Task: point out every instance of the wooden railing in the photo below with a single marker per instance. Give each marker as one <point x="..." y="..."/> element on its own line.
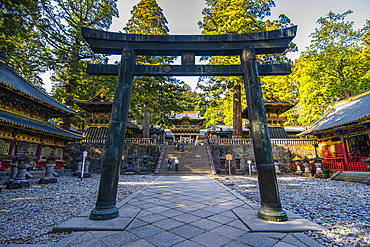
<point x="346" y="166"/>
<point x="282" y="142"/>
<point x="211" y="160"/>
<point x="139" y="141"/>
<point x="160" y="159"/>
<point x="127" y="141"/>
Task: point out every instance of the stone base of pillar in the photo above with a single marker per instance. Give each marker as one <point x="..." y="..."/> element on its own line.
<point x="48" y="180"/>
<point x="307" y="174"/>
<point x="144" y="171"/>
<point x="239" y="172"/>
<point x="223" y="171"/>
<point x="320" y="175"/>
<point x="272" y="215"/>
<point x="129" y="172"/>
<point x="17" y="184"/>
<point x="78" y="174"/>
<point x="104" y="214"/>
<point x="299" y="173"/>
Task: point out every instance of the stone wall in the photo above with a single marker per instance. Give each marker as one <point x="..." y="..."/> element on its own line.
<point x="245" y="152"/>
<point x="96" y="155"/>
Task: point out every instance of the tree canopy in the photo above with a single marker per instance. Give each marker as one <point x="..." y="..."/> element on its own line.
<point x="333" y="67"/>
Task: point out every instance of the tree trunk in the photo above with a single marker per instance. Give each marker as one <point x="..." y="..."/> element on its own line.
<point x="68" y="101"/>
<point x="237" y="109"/>
<point x="146" y="121"/>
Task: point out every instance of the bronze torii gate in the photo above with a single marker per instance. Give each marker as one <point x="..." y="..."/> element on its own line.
<point x="247" y="46"/>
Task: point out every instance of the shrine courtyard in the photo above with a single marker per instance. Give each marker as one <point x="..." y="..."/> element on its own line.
<point x="187" y="211"/>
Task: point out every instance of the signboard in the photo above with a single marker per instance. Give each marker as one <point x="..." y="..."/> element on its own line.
<point x="229" y="157"/>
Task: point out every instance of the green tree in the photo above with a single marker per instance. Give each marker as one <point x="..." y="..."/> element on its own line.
<point x="233" y="17"/>
<point x="332" y="68"/>
<point x="152" y="93"/>
<point x="25" y="49"/>
<point x="60" y="27"/>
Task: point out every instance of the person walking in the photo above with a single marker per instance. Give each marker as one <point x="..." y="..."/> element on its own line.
<point x="176" y="164"/>
<point x="169" y="165"/>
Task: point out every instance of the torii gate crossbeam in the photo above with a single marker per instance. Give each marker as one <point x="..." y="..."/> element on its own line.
<point x="247" y="46"/>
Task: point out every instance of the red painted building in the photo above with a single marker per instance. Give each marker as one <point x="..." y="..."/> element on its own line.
<point x="343" y="133"/>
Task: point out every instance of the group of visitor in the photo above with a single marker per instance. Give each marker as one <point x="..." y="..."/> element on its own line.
<point x="180" y="145"/>
<point x="170" y="164"/>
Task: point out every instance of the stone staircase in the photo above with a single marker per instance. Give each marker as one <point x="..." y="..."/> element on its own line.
<point x="358" y="177"/>
<point x="194" y="161"/>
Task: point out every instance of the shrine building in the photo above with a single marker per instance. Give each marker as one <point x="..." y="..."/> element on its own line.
<point x="343" y="130"/>
<point x="26" y="114"/>
<point x="186" y="125"/>
<point x="96" y="128"/>
<point x="275" y="122"/>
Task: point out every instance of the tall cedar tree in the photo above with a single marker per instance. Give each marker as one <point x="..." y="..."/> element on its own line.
<point x="25" y="49"/>
<point x="158" y="94"/>
<point x="233" y="17"/>
<point x="333" y="68"/>
<point x="60" y="27"/>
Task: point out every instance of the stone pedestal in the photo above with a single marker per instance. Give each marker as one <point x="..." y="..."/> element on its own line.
<point x="319" y="171"/>
<point x="277" y="168"/>
<point x="14" y="170"/>
<point x="49" y="173"/>
<point x="77" y="173"/>
<point x="20" y="180"/>
<point x="306" y="164"/>
<point x="253" y="168"/>
<point x="367" y="160"/>
<point x="299" y="171"/>
<point x="87" y="174"/>
<point x="130" y="170"/>
<point x="222" y="168"/>
<point x="145" y="170"/>
<point x="238" y="171"/>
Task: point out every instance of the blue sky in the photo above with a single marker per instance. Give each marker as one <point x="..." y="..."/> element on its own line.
<point x="183" y="15"/>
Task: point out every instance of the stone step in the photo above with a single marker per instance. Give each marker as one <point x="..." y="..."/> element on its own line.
<point x="347" y="176"/>
<point x="193" y="161"/>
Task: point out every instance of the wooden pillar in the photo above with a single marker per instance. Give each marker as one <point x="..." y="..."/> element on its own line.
<point x="270" y="201"/>
<point x="345" y="152"/>
<point x="106" y="203"/>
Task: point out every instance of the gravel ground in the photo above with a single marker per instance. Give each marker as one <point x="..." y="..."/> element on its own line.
<point x="342" y="207"/>
<point x="28" y="215"/>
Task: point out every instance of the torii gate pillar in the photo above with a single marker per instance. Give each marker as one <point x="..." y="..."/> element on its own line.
<point x="105" y="207"/>
<point x="270" y="201"/>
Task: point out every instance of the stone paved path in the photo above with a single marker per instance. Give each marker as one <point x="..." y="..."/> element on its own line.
<point x="187" y="211"/>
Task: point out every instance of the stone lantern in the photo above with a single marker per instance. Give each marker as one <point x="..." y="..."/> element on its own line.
<point x="367" y="160"/>
<point x="222" y="162"/>
<point x="145" y="170"/>
<point x="23" y="163"/>
<point x="77" y="173"/>
<point x="319" y="171"/>
<point x="49" y="173"/>
<point x="87" y="174"/>
<point x="253" y="166"/>
<point x="296" y="161"/>
<point x="306" y="164"/>
<point x="238" y="170"/>
<point x="130" y="170"/>
<point x="276" y="163"/>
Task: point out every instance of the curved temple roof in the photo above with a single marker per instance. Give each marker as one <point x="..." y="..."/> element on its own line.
<point x="347" y="111"/>
<point x="16" y="83"/>
<point x="36" y="125"/>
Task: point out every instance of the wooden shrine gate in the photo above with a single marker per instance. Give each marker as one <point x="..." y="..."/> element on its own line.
<point x="247" y="46"/>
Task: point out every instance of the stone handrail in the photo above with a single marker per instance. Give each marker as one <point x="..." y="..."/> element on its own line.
<point x="283" y="142"/>
<point x="160" y="159"/>
<point x="211" y="160"/>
